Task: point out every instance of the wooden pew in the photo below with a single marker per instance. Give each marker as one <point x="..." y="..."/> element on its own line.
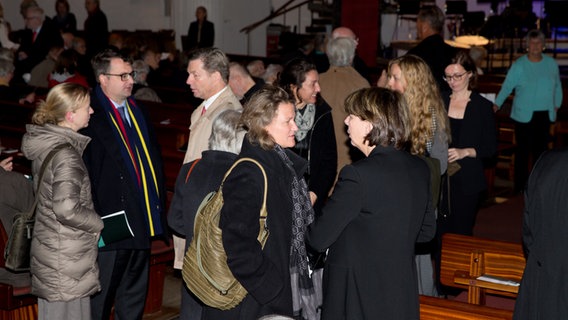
<point x="464" y="258"/>
<point x="169" y="113"/>
<point x="171" y="124"/>
<point x="179" y="96"/>
<point x="161" y="255"/>
<point x="432" y="308"/>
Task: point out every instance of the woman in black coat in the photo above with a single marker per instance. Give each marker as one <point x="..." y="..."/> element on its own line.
<point x="474" y="140"/>
<point x="315" y="138"/>
<point x="276" y="276"/>
<point x="198" y="178"/>
<point x="379" y="209"/>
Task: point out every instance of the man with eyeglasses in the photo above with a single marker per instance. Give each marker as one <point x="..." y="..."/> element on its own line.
<point x="126" y="175"/>
<point x="40" y="35"/>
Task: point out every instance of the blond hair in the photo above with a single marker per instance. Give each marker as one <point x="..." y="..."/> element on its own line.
<point x="61" y="99"/>
<point x="426" y="107"/>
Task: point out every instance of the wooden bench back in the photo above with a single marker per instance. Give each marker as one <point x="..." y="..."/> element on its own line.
<point x="432" y="308"/>
<point x="496" y="258"/>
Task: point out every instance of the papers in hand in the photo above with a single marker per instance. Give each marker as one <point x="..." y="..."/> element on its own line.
<point x="116" y="228"/>
<point x="498" y="280"/>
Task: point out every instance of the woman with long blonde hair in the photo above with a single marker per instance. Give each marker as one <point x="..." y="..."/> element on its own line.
<point x="429" y="137"/>
<point x="412" y="77"/>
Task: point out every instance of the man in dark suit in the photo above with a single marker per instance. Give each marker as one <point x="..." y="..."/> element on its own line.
<point x="432" y="48"/>
<point x="95" y="28"/>
<point x="126" y="174"/>
<point x="542" y="294"/>
<point x="201" y="33"/>
<point x="40" y="35"/>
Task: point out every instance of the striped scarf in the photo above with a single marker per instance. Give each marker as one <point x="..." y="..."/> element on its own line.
<point x="136" y="154"/>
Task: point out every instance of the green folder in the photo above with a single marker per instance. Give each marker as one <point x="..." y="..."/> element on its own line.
<point x="116" y="228"/>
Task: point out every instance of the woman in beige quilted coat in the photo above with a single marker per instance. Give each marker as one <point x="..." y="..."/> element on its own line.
<point x="64" y="244"/>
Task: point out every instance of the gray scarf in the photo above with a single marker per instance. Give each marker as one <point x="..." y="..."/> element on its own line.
<point x="305" y="121"/>
<point x="303" y="294"/>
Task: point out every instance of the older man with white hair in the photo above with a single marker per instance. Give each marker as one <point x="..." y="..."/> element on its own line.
<point x="358" y="63"/>
<point x="336" y="84"/>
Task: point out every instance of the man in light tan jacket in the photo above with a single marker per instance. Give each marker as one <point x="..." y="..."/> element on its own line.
<point x="208" y="70"/>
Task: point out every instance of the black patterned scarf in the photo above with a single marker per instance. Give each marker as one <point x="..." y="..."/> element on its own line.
<point x="303" y="294"/>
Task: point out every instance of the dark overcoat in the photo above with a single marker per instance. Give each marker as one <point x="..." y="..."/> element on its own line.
<point x="190" y="190"/>
<point x="207" y="37"/>
<point x="544" y="289"/>
<point x="321" y="153"/>
<point x="264" y="273"/>
<point x="379" y="209"/>
<point x="113" y="187"/>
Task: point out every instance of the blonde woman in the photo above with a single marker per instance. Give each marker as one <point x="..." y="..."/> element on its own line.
<point x="429" y="136"/>
<point x="64" y="246"/>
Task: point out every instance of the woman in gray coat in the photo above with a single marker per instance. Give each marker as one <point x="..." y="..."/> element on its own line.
<point x="64" y="244"/>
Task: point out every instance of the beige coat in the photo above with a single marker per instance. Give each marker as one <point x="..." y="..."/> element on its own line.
<point x="200" y="128"/>
<point x="336" y="84"/>
<point x="199" y="132"/>
<point x="64" y="244"/>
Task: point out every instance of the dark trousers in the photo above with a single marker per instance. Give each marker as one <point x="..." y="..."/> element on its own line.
<point x="124" y="281"/>
<point x="457" y="214"/>
<point x="532" y="140"/>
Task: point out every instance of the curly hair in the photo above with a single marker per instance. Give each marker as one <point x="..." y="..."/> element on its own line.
<point x="426" y="107"/>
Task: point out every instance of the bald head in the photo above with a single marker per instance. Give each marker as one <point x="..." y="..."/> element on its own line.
<point x="240" y="80"/>
<point x="343" y="32"/>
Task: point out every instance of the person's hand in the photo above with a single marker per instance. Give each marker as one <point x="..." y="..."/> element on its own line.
<point x="383" y="80"/>
<point x="7" y="164"/>
<point x="22" y="55"/>
<point x="313" y="197"/>
<point x="455" y="154"/>
<point x="30" y="98"/>
<point x="495" y="108"/>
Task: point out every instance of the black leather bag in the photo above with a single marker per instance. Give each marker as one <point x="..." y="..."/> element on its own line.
<point x="17" y="251"/>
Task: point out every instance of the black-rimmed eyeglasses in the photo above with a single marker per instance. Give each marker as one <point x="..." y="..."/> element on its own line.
<point x="456" y="77"/>
<point x="123" y="76"/>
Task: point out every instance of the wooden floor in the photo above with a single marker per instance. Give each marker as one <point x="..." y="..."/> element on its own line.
<point x="172" y="297"/>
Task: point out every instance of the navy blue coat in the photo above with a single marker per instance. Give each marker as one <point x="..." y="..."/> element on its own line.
<point x="112" y="185"/>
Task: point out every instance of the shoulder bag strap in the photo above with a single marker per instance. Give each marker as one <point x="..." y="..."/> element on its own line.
<point x="263" y="232"/>
<point x="46" y="161"/>
<point x="191" y="168"/>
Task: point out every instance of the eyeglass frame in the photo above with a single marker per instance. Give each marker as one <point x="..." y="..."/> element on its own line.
<point x="123" y="76"/>
<point x="455" y="77"/>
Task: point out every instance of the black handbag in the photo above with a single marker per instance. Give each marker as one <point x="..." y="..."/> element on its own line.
<point x="17" y="251"/>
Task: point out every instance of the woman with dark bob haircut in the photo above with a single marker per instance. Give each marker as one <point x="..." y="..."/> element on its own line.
<point x="379" y="209"/>
<point x="276" y="276"/>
